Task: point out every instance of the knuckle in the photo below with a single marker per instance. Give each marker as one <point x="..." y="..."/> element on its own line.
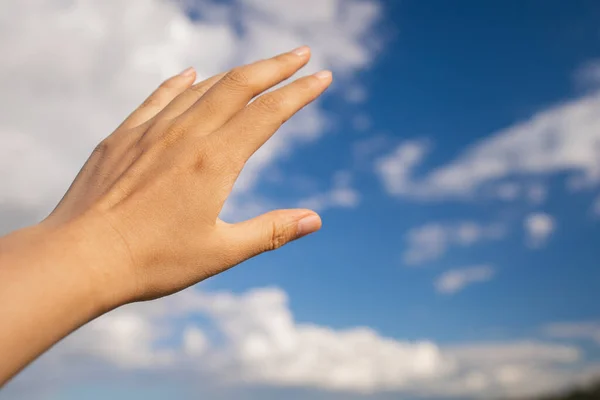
<point x="222" y="166"/>
<point x="103" y="147"/>
<point x="199" y="88"/>
<point x="205" y="157"/>
<point x="203" y="160"/>
<point x="272" y="102"/>
<point x="278" y="237"/>
<point x="237" y="78"/>
<point x="172" y="134"/>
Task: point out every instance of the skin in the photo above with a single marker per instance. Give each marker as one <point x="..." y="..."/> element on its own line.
<point x="140" y="221"/>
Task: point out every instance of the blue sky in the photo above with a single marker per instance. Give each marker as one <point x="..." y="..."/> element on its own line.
<point x="456" y="166"/>
<point x="452" y="74"/>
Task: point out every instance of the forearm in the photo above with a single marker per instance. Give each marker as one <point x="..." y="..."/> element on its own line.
<point x="50" y="287"/>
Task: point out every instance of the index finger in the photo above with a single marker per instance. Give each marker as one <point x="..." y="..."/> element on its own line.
<point x="233" y="92"/>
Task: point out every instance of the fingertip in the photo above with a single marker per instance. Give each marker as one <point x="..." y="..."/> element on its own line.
<point x="324" y="78"/>
<point x="308" y="224"/>
<point x="302" y="51"/>
<point x="324" y="75"/>
<point x="188" y="72"/>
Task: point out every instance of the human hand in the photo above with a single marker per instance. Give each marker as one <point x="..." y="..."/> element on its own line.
<point x="147" y="201"/>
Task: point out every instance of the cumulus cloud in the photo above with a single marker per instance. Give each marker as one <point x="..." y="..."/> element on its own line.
<point x="431" y="241"/>
<point x="589" y="330"/>
<point x="538" y="228"/>
<point x="457" y="279"/>
<point x="124" y="338"/>
<point x="77" y="68"/>
<point x="257" y="340"/>
<point x="195" y="341"/>
<point x="561" y="139"/>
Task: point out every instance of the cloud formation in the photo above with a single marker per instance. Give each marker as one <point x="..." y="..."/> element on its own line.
<point x="256" y="340"/>
<point x="341" y="194"/>
<point x="561" y="139"/>
<point x="77" y="68"/>
<point x="456" y="280"/>
<point x="431" y="241"/>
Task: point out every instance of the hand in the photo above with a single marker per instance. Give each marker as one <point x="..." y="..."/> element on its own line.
<point x="148" y="199"/>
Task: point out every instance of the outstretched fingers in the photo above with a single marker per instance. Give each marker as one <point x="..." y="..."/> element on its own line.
<point x="160" y="98"/>
<point x="255" y="124"/>
<point x="190" y="96"/>
<point x="233" y="92"/>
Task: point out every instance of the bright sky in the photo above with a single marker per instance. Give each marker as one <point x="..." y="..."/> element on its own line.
<point x="455" y="162"/>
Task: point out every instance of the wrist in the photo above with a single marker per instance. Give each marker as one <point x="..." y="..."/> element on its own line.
<point x="101" y="260"/>
<point x="81" y="265"/>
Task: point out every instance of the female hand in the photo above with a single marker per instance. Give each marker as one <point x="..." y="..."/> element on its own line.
<point x="151" y="193"/>
<point x="141" y="220"/>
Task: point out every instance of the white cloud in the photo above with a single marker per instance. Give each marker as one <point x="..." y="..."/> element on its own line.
<point x="456" y="280"/>
<point x="195" y="341"/>
<point x="268" y="346"/>
<point x="396" y="168"/>
<point x="260" y="342"/>
<point x="564" y="138"/>
<point x="431" y="241"/>
<point x="539" y="227"/>
<point x="575" y="330"/>
<point x="342" y="194"/>
<point x="125" y="338"/>
<point x="77" y="68"/>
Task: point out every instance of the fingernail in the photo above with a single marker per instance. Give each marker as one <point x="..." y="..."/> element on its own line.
<point x="188" y="72"/>
<point x="301" y="51"/>
<point x="324" y="75"/>
<point x="308" y="225"/>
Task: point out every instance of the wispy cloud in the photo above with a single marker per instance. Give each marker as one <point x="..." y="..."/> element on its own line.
<point x="341" y="194"/>
<point x="431" y="241"/>
<point x="564" y="138"/>
<point x="456" y="280"/>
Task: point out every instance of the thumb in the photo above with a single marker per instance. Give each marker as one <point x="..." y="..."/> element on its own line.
<point x="270" y="231"/>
